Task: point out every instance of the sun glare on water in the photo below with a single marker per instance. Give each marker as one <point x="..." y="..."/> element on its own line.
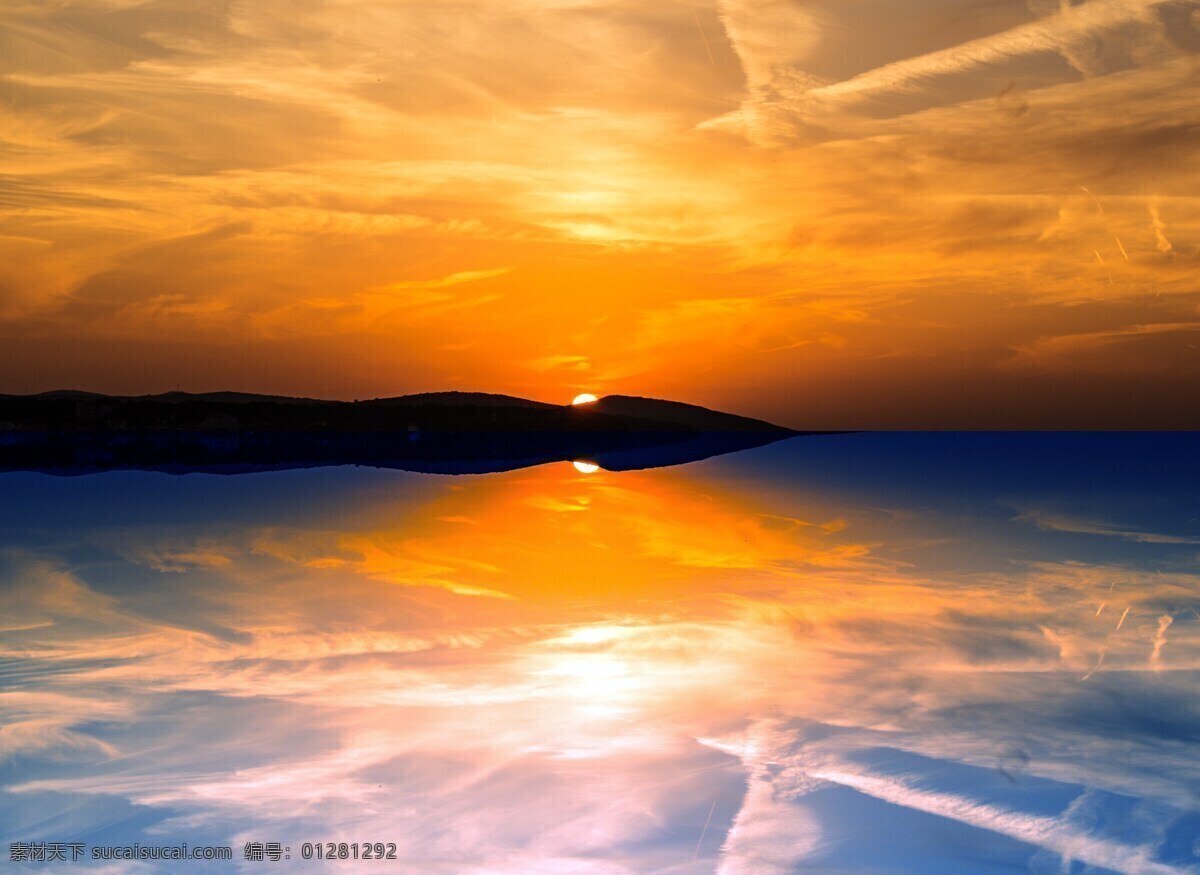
<point x="585" y="398"/>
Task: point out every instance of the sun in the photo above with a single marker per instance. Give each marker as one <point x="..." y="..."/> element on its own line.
<point x="585" y="398"/>
<point x="585" y="467"/>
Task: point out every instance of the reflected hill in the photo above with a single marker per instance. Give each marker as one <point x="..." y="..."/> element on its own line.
<point x="71" y="432"/>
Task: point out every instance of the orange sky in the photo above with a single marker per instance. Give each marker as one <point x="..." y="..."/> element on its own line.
<point x="924" y="213"/>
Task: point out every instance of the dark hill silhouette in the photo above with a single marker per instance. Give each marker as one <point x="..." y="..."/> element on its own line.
<point x="676" y="413"/>
<point x="166" y="397"/>
<point x="446" y="432"/>
<point x="461" y="399"/>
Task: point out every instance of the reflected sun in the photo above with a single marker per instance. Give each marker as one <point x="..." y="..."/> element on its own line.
<point x="585" y="398"/>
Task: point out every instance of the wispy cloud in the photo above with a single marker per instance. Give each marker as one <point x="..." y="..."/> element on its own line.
<point x="454" y="279"/>
<point x="838" y="637"/>
<point x="1055" y="522"/>
<point x="1110" y="350"/>
<point x="1053" y="834"/>
<point x="413" y="196"/>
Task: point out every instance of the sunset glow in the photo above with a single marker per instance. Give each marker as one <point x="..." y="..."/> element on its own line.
<point x="805" y="212"/>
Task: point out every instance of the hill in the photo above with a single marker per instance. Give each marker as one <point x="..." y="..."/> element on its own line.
<point x="451" y="432"/>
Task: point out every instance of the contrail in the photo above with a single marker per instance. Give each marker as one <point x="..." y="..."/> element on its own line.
<point x="1095" y="199"/>
<point x="1052" y="834"/>
<point x="707" y="820"/>
<point x="703" y="36"/>
<point x="1122" y="620"/>
<point x="1096" y="666"/>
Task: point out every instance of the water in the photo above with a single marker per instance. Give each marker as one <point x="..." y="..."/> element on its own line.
<point x="851" y="653"/>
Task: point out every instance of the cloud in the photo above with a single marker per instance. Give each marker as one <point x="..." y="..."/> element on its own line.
<point x="171" y="561"/>
<point x="41" y="592"/>
<point x="465" y="276"/>
<point x="1050" y="833"/>
<point x="791" y="91"/>
<point x="1118" y="349"/>
<point x="50" y="739"/>
<point x="1070" y="31"/>
<point x="576" y="721"/>
<point x="1054" y="522"/>
<point x="554" y="362"/>
<point x="334" y="191"/>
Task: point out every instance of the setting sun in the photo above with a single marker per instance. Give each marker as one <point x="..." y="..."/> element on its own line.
<point x="585" y="398"/>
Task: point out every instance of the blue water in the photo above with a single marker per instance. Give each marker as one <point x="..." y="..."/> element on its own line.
<point x="900" y="653"/>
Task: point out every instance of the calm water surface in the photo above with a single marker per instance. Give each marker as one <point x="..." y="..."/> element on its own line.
<point x="855" y="653"/>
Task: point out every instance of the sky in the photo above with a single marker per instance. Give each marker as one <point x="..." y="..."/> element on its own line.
<point x="862" y="214"/>
<point x="779" y="661"/>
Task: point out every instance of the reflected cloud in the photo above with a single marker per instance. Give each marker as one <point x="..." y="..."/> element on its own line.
<point x="1053" y="522"/>
<point x="687" y="671"/>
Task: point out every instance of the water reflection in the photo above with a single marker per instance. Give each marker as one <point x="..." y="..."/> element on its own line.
<point x="888" y="653"/>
